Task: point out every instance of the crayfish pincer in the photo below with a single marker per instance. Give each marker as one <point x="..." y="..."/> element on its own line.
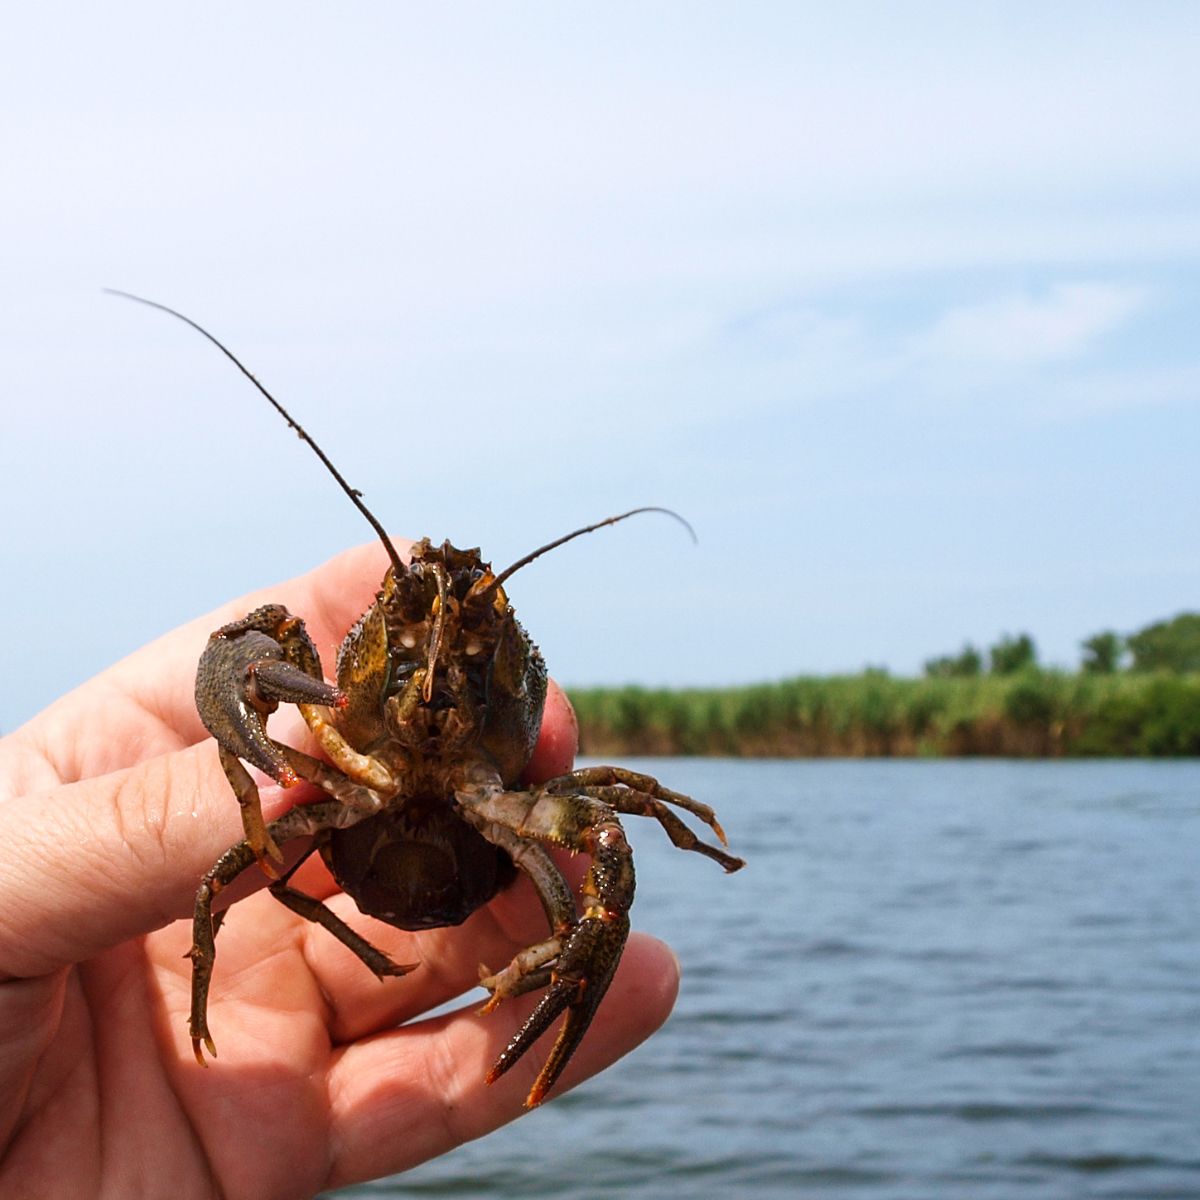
<point x="425" y="736"/>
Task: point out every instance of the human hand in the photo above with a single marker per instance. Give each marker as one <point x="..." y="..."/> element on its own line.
<point x="113" y="805"/>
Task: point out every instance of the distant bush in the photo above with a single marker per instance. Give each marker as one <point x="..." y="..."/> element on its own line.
<point x="1032" y="699"/>
<point x="968" y="663"/>
<point x="1168" y="645"/>
<point x="1012" y="654"/>
<point x="1156" y="716"/>
<point x="1102" y="653"/>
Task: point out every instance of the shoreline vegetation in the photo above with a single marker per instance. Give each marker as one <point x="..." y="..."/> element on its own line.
<point x="1136" y="695"/>
<point x="1033" y="713"/>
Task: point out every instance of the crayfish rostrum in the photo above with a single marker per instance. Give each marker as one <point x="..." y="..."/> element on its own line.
<point x="434" y="716"/>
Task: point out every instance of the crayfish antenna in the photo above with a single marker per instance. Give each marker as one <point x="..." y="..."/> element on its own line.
<point x="354" y="494"/>
<point x="495" y="584"/>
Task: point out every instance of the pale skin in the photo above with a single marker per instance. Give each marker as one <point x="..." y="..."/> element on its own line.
<point x="113" y="805"/>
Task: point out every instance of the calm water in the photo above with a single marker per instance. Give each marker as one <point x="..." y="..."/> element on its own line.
<point x="949" y="979"/>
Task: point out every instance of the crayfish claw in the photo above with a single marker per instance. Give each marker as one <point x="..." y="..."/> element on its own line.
<point x="247" y="670"/>
<point x="208" y="1044"/>
<point x="576" y="986"/>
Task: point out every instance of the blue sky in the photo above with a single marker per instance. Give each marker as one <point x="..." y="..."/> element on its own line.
<point x="897" y="303"/>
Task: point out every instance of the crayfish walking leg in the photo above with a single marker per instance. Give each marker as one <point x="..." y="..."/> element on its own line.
<point x="299" y="822"/>
<point x="578" y="811"/>
<point x="587" y="951"/>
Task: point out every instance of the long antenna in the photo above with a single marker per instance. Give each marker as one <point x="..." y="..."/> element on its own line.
<point x="354" y="494"/>
<point x="567" y="537"/>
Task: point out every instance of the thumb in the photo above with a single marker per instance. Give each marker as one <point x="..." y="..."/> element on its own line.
<point x="93" y="863"/>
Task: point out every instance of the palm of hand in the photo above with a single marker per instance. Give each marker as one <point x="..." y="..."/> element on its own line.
<point x="116" y="805"/>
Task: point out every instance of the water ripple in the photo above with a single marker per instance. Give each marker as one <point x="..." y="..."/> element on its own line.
<point x="1005" y="1050"/>
<point x="980" y="1111"/>
<point x="868" y="1021"/>
<point x="1097" y="1164"/>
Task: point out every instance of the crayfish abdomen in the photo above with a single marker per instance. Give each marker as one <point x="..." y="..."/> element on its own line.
<point x="417" y="867"/>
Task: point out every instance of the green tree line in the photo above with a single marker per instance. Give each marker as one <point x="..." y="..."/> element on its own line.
<point x="1134" y="695"/>
<point x="1172" y="646"/>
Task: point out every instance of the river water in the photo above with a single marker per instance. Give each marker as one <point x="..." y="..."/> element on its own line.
<point x="934" y="979"/>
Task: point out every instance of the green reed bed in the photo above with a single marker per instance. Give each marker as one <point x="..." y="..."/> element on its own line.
<point x="1033" y="713"/>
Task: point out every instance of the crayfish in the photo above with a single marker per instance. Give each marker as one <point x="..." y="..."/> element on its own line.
<point x="426" y="733"/>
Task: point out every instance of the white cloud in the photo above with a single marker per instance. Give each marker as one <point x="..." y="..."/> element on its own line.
<point x="1023" y="329"/>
